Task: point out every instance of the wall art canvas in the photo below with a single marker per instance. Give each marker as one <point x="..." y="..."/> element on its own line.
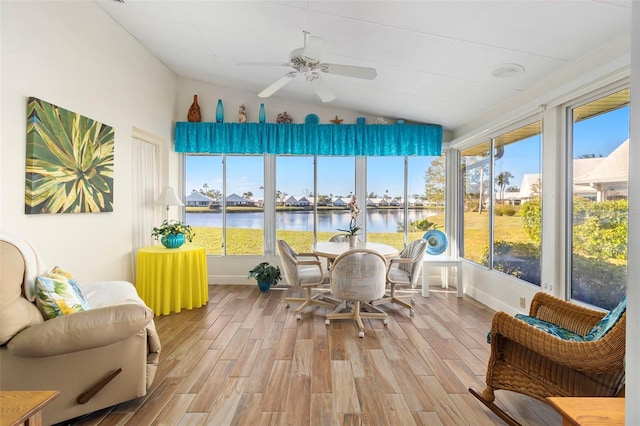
<point x="69" y="167"/>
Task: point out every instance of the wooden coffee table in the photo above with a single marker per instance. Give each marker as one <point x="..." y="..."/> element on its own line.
<point x="24" y="407"/>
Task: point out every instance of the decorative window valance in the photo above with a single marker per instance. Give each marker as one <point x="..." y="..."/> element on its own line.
<point x="309" y="139"/>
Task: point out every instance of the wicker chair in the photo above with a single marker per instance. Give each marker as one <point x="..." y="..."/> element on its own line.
<point x="530" y="361"/>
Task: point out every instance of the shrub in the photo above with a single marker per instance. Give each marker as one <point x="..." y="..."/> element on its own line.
<point x="531" y="213"/>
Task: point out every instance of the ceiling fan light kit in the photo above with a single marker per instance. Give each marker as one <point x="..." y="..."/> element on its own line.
<point x="307" y="61"/>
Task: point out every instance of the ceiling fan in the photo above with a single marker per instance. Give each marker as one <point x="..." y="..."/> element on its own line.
<point x="306" y="61"/>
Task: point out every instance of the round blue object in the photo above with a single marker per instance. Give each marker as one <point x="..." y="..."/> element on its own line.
<point x="172" y="241"/>
<point x="312" y="119"/>
<point x="436" y="242"/>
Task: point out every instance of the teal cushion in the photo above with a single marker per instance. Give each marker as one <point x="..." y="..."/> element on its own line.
<point x="550" y="328"/>
<point x="607" y="322"/>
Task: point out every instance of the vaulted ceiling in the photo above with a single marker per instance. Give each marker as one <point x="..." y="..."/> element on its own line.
<point x="435" y="60"/>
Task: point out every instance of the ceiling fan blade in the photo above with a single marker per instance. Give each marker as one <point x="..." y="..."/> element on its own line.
<point x="263" y="64"/>
<point x="315" y="48"/>
<point x="277" y="85"/>
<point x="322" y="89"/>
<point x="349" y="71"/>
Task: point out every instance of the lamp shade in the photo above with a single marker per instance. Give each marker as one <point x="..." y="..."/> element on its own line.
<point x="169" y="198"/>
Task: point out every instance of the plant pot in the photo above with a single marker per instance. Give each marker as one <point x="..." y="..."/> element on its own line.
<point x="264" y="285"/>
<point x="172" y="241"/>
<point x="353" y="240"/>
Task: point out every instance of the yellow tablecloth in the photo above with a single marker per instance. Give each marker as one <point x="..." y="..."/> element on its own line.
<point x="171" y="279"/>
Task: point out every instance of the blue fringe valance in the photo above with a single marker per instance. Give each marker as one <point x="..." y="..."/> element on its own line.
<point x="309" y="139"/>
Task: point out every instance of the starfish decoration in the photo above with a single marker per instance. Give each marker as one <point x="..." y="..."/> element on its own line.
<point x="337" y="120"/>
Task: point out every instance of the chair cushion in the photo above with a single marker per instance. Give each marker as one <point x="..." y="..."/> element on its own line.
<point x="607" y="322"/>
<point x="58" y="294"/>
<point x="399" y="275"/>
<point x="551" y="328"/>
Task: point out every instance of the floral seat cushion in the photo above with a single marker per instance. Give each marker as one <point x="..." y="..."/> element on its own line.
<point x="551" y="328"/>
<point x="547" y="327"/>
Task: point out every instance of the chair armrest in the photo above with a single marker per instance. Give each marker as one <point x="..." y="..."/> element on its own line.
<point x="308" y="255"/>
<point x="81" y="330"/>
<point x="605" y="354"/>
<point x="567" y="315"/>
<point x="400" y="260"/>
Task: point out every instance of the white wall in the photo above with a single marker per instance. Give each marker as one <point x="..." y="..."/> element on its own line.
<point x="75" y="56"/>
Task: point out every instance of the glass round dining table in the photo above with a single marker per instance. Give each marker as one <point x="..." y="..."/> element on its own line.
<point x="331" y="250"/>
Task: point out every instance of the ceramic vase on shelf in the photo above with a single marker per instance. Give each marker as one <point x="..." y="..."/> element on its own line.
<point x="353" y="240"/>
<point x="262" y="117"/>
<point x="193" y="115"/>
<point x="219" y="112"/>
<point x="172" y="241"/>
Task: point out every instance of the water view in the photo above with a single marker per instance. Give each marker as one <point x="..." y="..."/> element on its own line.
<point x="382" y="221"/>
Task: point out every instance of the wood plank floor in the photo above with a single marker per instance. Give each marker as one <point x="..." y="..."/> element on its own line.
<point x="243" y="359"/>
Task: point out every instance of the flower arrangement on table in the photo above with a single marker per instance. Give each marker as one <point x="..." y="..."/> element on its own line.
<point x="169" y="228"/>
<point x="354" y="210"/>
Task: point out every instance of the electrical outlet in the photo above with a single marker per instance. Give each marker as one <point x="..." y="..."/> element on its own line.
<point x="523" y="302"/>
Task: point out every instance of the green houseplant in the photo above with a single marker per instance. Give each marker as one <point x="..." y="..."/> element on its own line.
<point x="266" y="275"/>
<point x="172" y="233"/>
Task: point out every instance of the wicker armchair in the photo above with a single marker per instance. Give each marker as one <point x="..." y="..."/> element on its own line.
<point x="527" y="360"/>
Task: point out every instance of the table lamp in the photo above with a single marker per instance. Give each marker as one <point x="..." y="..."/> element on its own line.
<point x="169" y="198"/>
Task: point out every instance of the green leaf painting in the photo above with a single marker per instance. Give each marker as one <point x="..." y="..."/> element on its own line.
<point x="69" y="167"/>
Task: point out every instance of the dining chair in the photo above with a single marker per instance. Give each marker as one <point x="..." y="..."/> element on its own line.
<point x="306" y="271"/>
<point x="339" y="238"/>
<point x="357" y="277"/>
<point x="404" y="270"/>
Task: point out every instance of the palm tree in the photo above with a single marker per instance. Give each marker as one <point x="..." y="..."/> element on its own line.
<point x="502" y="180"/>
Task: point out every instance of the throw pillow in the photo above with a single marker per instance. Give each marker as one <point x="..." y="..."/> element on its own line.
<point x="607" y="322"/>
<point x="550" y="328"/>
<point x="58" y="294"/>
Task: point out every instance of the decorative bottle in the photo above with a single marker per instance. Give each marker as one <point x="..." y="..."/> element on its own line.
<point x="219" y="112"/>
<point x="263" y="116"/>
<point x="193" y="115"/>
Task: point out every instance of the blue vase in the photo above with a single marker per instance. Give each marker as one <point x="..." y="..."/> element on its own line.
<point x="264" y="285"/>
<point x="263" y="115"/>
<point x="219" y="112"/>
<point x="172" y="241"/>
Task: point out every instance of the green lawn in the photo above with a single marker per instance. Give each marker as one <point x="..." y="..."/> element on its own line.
<point x="251" y="241"/>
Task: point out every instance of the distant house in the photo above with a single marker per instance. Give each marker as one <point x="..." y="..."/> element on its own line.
<point x="197" y="199"/>
<point x="339" y="202"/>
<point x="236" y="200"/>
<point x="609" y="177"/>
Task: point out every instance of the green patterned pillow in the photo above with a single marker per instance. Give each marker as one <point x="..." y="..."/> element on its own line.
<point x="58" y="294"/>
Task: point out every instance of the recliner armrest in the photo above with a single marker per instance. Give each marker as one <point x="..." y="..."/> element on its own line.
<point x="81" y="330"/>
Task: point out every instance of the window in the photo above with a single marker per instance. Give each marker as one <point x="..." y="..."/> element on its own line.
<point x="476" y="201"/>
<point x="517" y="209"/>
<point x="599" y="188"/>
<point x="295" y="200"/>
<point x="203" y="201"/>
<point x="227" y="219"/>
<point x="225" y="202"/>
<point x="501" y="193"/>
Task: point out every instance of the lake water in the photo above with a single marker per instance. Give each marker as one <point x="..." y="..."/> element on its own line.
<point x="377" y="220"/>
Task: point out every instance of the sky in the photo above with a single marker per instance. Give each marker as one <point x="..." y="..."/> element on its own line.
<point x="598" y="135"/>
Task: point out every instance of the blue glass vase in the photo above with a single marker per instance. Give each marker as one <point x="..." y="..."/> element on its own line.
<point x="219" y="112"/>
<point x="263" y="115"/>
<point x="172" y="241"/>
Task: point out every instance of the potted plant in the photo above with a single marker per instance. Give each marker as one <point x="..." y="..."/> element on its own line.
<point x="172" y="233"/>
<point x="354" y="229"/>
<point x="266" y="275"/>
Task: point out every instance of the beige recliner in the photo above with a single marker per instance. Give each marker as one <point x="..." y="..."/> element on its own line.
<point x="96" y="358"/>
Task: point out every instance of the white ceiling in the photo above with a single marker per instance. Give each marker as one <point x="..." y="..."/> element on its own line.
<point x="433" y="58"/>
